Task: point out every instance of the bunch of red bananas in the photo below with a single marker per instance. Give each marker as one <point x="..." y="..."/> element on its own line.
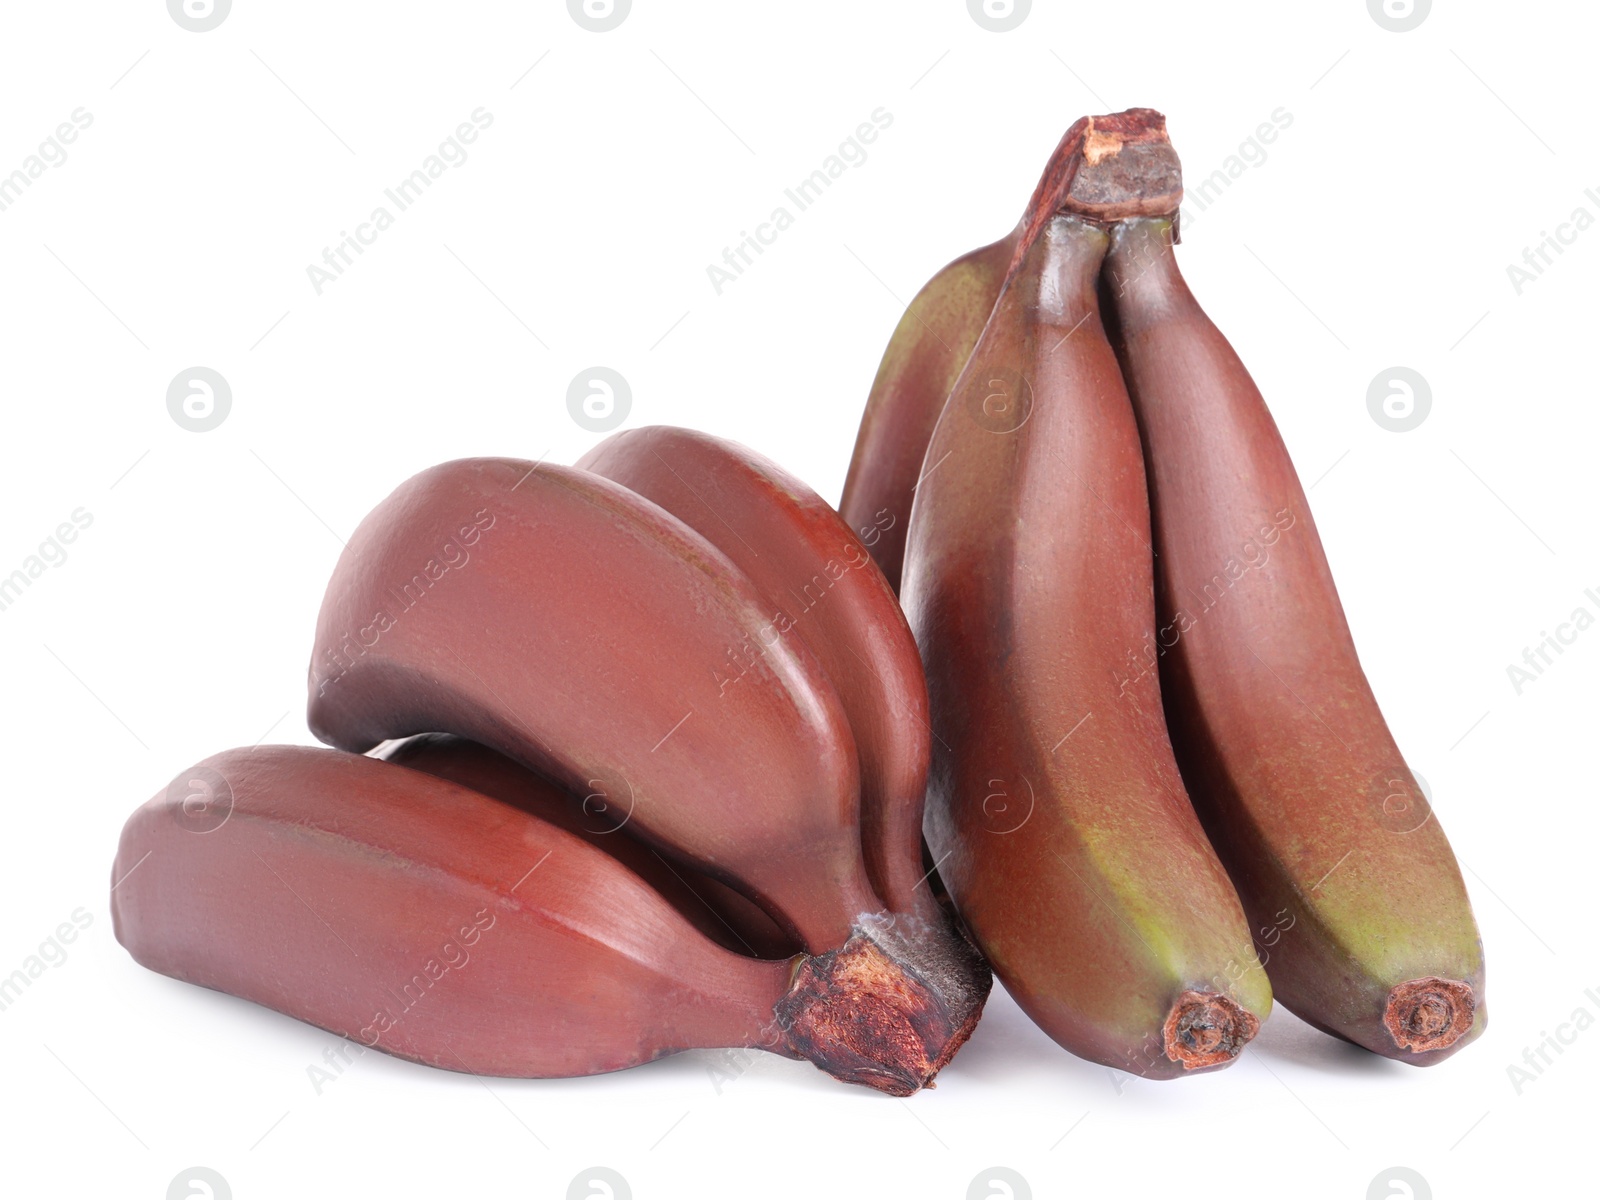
<point x="670" y="733"/>
<point x="679" y="804"/>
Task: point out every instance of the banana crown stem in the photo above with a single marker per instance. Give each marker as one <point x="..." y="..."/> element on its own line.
<point x="890" y="1007"/>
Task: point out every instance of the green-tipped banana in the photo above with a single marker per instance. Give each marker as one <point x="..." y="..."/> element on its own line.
<point x="1359" y="909"/>
<point x="1056" y="814"/>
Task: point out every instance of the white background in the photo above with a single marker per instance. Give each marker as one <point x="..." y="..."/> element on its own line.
<point x="1376" y="233"/>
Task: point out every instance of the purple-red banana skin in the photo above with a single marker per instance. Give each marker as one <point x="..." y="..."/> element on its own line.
<point x="921" y="364"/>
<point x="437" y="924"/>
<point x="1055" y="811"/>
<point x="572" y="625"/>
<point x="423" y="919"/>
<point x="711" y="906"/>
<point x="823" y="588"/>
<point x="1361" y="914"/>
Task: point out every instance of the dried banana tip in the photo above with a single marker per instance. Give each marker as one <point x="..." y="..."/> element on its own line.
<point x="1429" y="1014"/>
<point x="1206" y="1029"/>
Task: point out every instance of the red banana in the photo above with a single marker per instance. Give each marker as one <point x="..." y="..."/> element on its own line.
<point x="439" y="925"/>
<point x="711" y="906"/>
<point x="576" y="627"/>
<point x="566" y="622"/>
<point x="821" y="585"/>
<point x="1364" y="922"/>
<point x="921" y="364"/>
<point x="1056" y="812"/>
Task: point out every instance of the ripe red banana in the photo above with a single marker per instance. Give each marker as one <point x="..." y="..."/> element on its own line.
<point x="439" y="925"/>
<point x="934" y="339"/>
<point x="576" y="627"/>
<point x="566" y="622"/>
<point x="711" y="906"/>
<point x="1363" y="919"/>
<point x="921" y="364"/>
<point x="822" y="587"/>
<point x="1056" y="812"/>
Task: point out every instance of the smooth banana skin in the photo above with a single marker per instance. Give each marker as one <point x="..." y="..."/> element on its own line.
<point x="439" y="925"/>
<point x="578" y="628"/>
<point x="934" y="339"/>
<point x="711" y="906"/>
<point x="1055" y="811"/>
<point x="1362" y="917"/>
<point x="924" y="358"/>
<point x="424" y="919"/>
<point x="822" y="587"/>
<point x="598" y="640"/>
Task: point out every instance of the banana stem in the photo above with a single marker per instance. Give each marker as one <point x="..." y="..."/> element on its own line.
<point x="1105" y="169"/>
<point x="890" y="1007"/>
